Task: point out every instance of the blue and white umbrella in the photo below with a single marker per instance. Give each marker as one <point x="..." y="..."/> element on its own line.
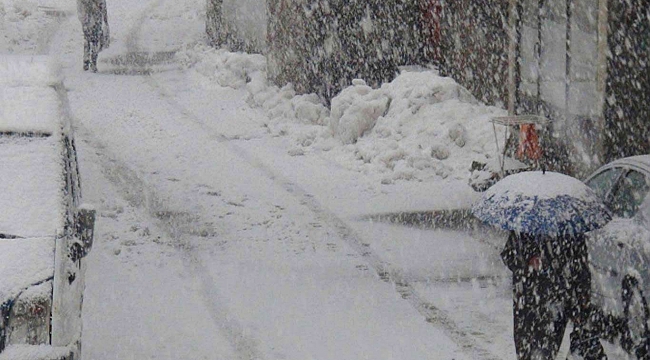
<point x="542" y="203"/>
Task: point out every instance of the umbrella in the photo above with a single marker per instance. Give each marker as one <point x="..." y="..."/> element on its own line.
<point x="542" y="203"/>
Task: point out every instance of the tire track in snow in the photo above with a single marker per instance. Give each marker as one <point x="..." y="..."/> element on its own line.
<point x="139" y="194"/>
<point x="246" y="346"/>
<point x="385" y="271"/>
<point x="142" y="195"/>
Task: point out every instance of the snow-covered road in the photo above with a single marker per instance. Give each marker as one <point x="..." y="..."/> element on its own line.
<point x="216" y="239"/>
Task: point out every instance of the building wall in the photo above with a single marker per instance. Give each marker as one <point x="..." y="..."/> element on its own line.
<point x="584" y="64"/>
<point x="474" y="47"/>
<point x="627" y="109"/>
<point x="558" y="67"/>
<point x="321" y="45"/>
<point x="237" y="24"/>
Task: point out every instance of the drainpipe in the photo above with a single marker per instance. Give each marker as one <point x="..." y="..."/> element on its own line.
<point x="540" y="11"/>
<point x="601" y="74"/>
<point x="513" y="52"/>
<point x="567" y="64"/>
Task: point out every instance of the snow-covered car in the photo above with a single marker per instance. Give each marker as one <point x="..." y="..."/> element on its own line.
<point x="45" y="232"/>
<point x="620" y="251"/>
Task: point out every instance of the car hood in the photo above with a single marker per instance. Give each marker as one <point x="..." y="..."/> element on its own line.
<point x="24" y="262"/>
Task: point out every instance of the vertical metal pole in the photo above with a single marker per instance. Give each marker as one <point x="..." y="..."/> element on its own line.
<point x="601" y="73"/>
<point x="567" y="79"/>
<point x="540" y="10"/>
<point x="502" y="157"/>
<point x="512" y="56"/>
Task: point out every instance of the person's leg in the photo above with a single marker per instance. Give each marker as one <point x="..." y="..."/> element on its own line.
<point x="86" y="57"/>
<point x="519" y="330"/>
<point x="556" y="331"/>
<point x="93" y="61"/>
<point x="522" y="335"/>
<point x="547" y="335"/>
<point x="548" y="321"/>
<point x="586" y="345"/>
<point x="524" y="316"/>
<point x="94" y="46"/>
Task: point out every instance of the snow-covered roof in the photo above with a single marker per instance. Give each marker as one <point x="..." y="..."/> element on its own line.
<point x="24" y="70"/>
<point x="641" y="161"/>
<point x="31" y="179"/>
<point x="29" y="101"/>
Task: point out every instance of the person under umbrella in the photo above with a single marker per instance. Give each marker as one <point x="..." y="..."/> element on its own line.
<point x="93" y="16"/>
<point x="547" y="215"/>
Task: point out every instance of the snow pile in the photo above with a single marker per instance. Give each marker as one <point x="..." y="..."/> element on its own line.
<point x="356" y="111"/>
<point x="223" y="68"/>
<point x="421" y="126"/>
<point x="430" y="127"/>
<point x="214" y="67"/>
<point x="21" y="22"/>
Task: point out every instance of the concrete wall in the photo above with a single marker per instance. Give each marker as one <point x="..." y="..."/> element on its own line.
<point x="237" y="24"/>
<point x="321" y="45"/>
<point x="248" y="20"/>
<point x="474" y="47"/>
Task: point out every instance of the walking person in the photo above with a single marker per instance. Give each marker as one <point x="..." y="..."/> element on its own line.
<point x="93" y="16"/>
<point x="547" y="214"/>
<point x="551" y="286"/>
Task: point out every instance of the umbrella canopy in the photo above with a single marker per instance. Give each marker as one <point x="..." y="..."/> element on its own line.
<point x="542" y="203"/>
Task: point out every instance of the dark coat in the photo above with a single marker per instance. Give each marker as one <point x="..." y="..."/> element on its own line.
<point x="93" y="16"/>
<point x="546" y="296"/>
<point x="564" y="264"/>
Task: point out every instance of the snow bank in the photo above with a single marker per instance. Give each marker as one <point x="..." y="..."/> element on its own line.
<point x="21" y="22"/>
<point x="421" y="126"/>
<point x="356" y="110"/>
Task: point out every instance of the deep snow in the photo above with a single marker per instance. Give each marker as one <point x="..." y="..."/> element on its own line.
<point x="231" y="212"/>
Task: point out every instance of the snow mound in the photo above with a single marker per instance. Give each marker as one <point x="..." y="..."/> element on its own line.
<point x="223" y="68"/>
<point x="248" y="72"/>
<point x="421" y="126"/>
<point x="21" y="22"/>
<point x="356" y="110"/>
<point x="431" y="128"/>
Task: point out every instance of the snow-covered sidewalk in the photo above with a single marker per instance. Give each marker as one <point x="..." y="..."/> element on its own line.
<point x="230" y="210"/>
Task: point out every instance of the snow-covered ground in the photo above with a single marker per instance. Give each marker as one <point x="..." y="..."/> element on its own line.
<point x="233" y="214"/>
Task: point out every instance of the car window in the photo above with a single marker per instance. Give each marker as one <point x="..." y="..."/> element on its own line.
<point x="603" y="182"/>
<point x="629" y="194"/>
